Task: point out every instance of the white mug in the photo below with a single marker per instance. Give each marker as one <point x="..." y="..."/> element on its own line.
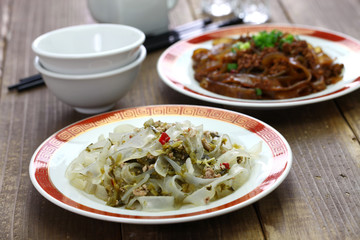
<point x="150" y="16"/>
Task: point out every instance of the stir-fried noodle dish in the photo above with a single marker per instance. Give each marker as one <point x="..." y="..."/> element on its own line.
<point x="161" y="166"/>
<point x="268" y="65"/>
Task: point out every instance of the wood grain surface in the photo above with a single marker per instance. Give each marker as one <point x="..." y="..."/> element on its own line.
<point x="319" y="199"/>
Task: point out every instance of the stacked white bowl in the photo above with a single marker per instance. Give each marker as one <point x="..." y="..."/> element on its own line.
<point x="90" y="67"/>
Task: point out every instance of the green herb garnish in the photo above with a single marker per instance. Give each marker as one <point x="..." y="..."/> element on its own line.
<point x="265" y="39"/>
<point x="242" y="46"/>
<point x="287" y="39"/>
<point x="258" y="91"/>
<point x="232" y="66"/>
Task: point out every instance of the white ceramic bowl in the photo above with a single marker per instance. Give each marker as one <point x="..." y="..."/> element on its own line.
<point x="92" y="93"/>
<point x="87" y="49"/>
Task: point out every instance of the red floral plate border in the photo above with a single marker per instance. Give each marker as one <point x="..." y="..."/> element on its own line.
<point x="40" y="165"/>
<point x="175" y="65"/>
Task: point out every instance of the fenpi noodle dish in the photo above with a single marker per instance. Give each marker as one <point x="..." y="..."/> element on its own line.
<point x="162" y="166"/>
<point x="267" y="65"/>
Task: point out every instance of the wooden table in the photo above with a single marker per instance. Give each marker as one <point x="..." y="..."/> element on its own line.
<point x="320" y="198"/>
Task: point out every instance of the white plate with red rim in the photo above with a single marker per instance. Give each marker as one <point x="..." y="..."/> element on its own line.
<point x="175" y="64"/>
<point x="49" y="162"/>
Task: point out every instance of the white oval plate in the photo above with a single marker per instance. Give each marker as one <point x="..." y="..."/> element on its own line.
<point x="53" y="156"/>
<point x="175" y="64"/>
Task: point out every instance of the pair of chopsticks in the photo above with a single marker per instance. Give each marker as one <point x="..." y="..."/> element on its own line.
<point x="187" y="30"/>
<point x="27" y="83"/>
<point x="152" y="43"/>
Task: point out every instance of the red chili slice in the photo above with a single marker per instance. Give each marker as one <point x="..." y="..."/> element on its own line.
<point x="226" y="165"/>
<point x="164" y="138"/>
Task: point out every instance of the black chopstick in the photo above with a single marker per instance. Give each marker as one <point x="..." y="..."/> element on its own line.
<point x="156" y="42"/>
<point x="27" y="83"/>
<point x="31" y="78"/>
<point x="200" y="23"/>
<point x="190" y="26"/>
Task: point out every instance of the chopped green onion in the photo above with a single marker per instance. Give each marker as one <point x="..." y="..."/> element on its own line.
<point x="240" y="46"/>
<point x="243" y="45"/>
<point x="265" y="39"/>
<point x="258" y="91"/>
<point x="232" y="66"/>
<point x="288" y="39"/>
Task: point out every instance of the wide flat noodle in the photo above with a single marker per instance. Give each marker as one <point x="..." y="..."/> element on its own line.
<point x="161" y="166"/>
